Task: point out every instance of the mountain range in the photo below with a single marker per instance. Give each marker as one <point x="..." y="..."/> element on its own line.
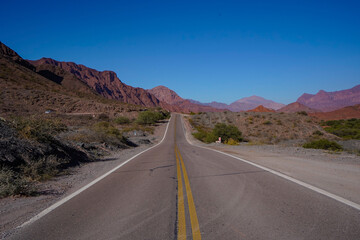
<point x="81" y="79"/>
<point x="244" y="104"/>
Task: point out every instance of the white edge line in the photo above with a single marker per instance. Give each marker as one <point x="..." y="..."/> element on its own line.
<point x="64" y="200"/>
<point x="311" y="187"/>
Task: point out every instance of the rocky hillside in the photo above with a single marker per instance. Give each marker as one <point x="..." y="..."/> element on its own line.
<point x="105" y="83"/>
<point x="329" y="101"/>
<point x="183" y="105"/>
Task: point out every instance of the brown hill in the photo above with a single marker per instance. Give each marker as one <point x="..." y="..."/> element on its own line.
<point x="106" y="83"/>
<point x="296" y="107"/>
<point x="343" y="113"/>
<point x="329" y="101"/>
<point x="182" y="105"/>
<point x="261" y="108"/>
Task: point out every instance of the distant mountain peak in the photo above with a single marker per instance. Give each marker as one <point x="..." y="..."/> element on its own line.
<point x="330" y="101"/>
<point x="248" y="103"/>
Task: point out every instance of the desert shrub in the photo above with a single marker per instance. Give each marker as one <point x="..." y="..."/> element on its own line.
<point x="103" y="116"/>
<point x="347" y="129"/>
<point x="318" y="133"/>
<point x="107" y="129"/>
<point x="205" y="135"/>
<point x="122" y="120"/>
<point x="151" y="117"/>
<point x="42" y="169"/>
<point x="231" y="141"/>
<point x="323" y="144"/>
<point x="11" y="183"/>
<point x="227" y="131"/>
<point x="302" y="113"/>
<point x="107" y="133"/>
<point x="40" y="130"/>
<point x="267" y="123"/>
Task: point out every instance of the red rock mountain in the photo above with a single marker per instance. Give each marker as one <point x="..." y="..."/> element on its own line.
<point x="166" y="95"/>
<point x="343" y="113"/>
<point x="296" y="107"/>
<point x="107" y="84"/>
<point x="261" y="108"/>
<point x="172" y="98"/>
<point x="329" y="101"/>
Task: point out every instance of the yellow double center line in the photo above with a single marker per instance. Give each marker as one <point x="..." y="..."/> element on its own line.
<point x="181" y="221"/>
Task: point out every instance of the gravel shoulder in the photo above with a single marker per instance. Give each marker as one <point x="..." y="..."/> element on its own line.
<point x="337" y="173"/>
<point x="16" y="210"/>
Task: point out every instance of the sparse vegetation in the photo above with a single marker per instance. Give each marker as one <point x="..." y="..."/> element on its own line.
<point x="346" y="129"/>
<point x="323" y="144"/>
<point x="40" y="130"/>
<point x="11" y="183"/>
<point x="268" y="128"/>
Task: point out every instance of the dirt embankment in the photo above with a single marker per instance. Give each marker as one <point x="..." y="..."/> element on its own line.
<point x="16" y="210"/>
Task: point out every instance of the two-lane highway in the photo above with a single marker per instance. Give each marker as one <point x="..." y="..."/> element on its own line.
<point x="179" y="191"/>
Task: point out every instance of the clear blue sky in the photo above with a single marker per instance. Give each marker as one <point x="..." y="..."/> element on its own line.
<point x="204" y="50"/>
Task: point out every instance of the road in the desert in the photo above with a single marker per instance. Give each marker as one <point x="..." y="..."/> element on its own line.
<point x="179" y="191"/>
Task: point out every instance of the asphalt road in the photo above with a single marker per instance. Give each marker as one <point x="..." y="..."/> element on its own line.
<point x="179" y="191"/>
